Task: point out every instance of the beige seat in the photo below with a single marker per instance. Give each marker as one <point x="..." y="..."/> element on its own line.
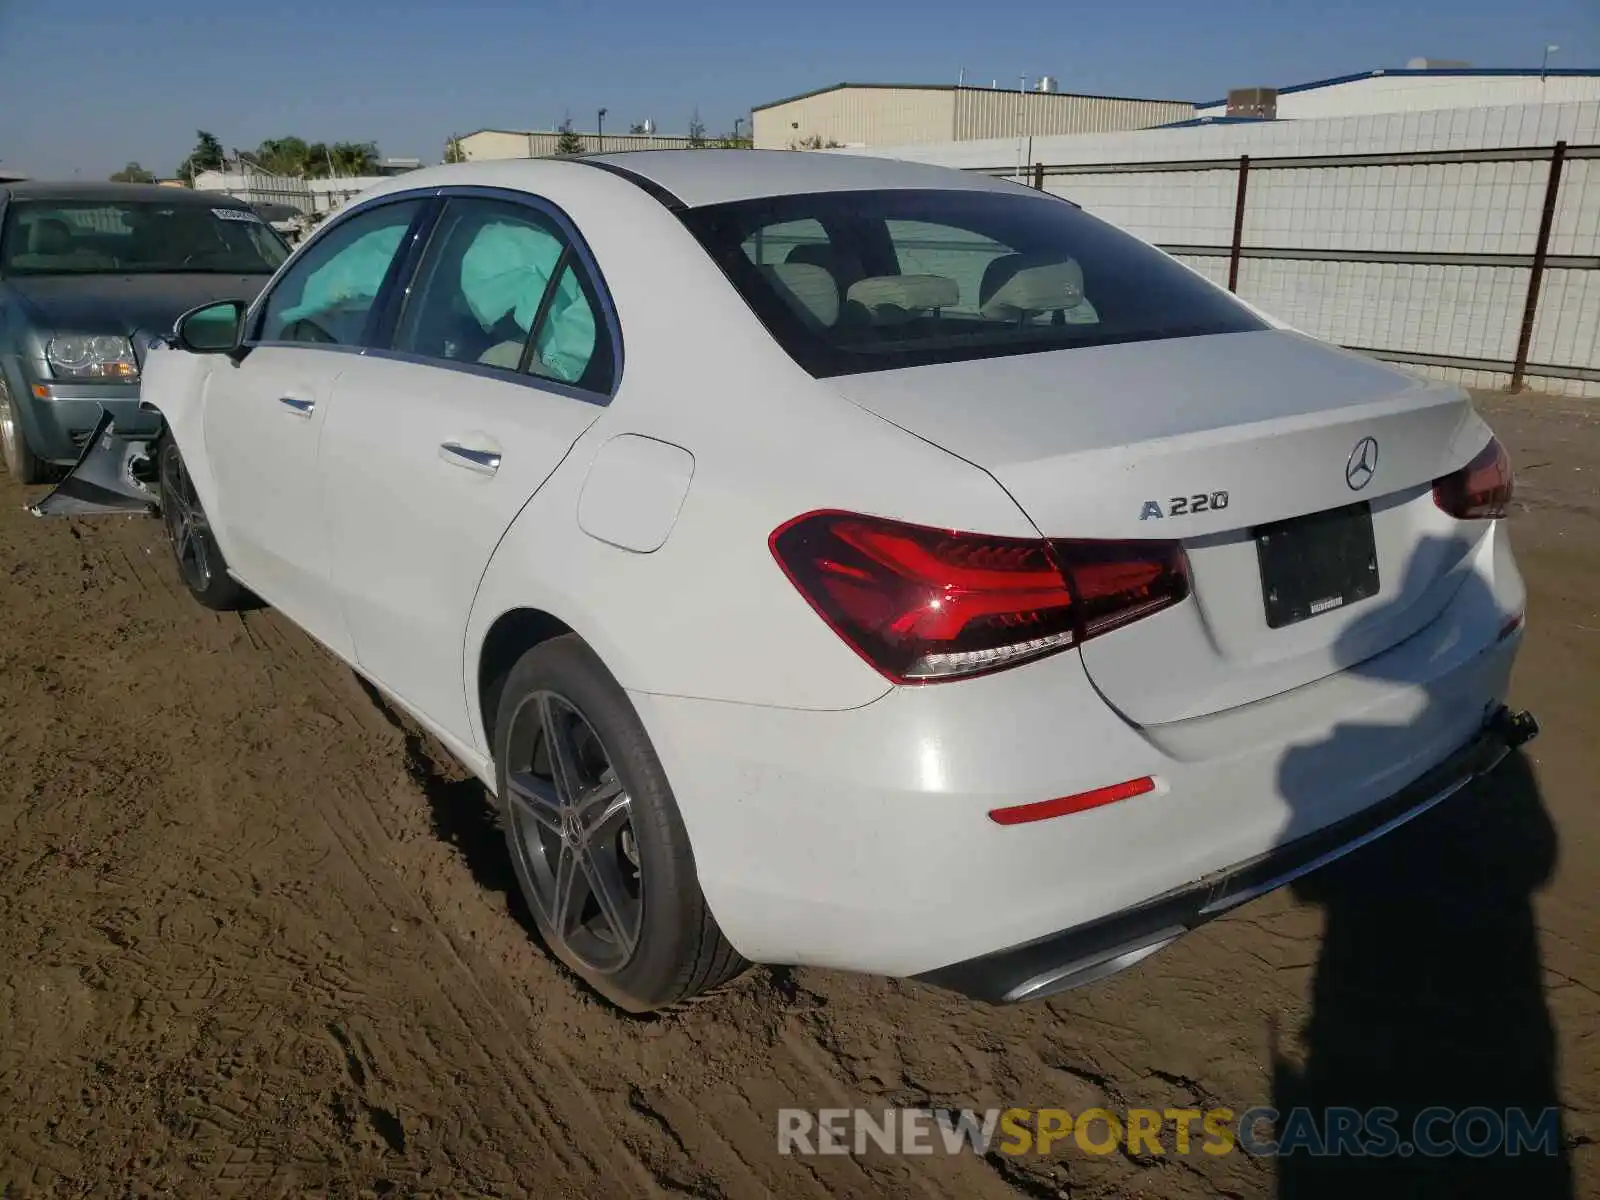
<point x="810" y="290"/>
<point x="1015" y="289"/>
<point x="896" y="299"/>
<point x="503" y="354"/>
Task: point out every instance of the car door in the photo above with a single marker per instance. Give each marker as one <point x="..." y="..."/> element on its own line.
<point x="266" y="413"/>
<point x="505" y="351"/>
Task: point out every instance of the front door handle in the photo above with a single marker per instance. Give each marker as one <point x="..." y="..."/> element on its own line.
<point x="298" y="406"/>
<point x="485" y="462"/>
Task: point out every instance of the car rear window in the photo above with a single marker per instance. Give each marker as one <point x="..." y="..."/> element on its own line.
<point x="873" y="280"/>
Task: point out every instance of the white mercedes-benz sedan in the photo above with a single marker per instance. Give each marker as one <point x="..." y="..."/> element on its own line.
<point x="843" y="562"/>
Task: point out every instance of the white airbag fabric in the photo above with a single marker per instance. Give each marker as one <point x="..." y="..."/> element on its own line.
<point x="355" y="273"/>
<point x="505" y="272"/>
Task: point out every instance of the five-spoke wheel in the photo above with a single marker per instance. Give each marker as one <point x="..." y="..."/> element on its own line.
<point x="200" y="562"/>
<point x="601" y="854"/>
<point x="572" y="828"/>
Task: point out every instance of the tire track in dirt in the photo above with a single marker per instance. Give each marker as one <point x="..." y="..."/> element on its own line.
<point x="263" y="942"/>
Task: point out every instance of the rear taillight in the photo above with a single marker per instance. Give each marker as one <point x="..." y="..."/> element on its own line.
<point x="923" y="604"/>
<point x="1481" y="490"/>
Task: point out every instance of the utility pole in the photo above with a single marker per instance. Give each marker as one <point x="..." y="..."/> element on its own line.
<point x="600" y="130"/>
<point x="1544" y="64"/>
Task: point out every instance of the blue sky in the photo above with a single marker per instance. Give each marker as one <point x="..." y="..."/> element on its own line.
<point x="86" y="85"/>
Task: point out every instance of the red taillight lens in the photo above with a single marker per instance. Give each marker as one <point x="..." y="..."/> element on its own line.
<point x="1481" y="490"/>
<point x="923" y="604"/>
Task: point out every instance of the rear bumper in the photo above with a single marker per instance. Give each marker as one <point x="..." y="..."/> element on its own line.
<point x="1089" y="952"/>
<point x="860" y="839"/>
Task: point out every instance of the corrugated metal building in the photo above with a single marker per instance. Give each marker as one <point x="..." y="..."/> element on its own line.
<point x="1425" y="89"/>
<point x="485" y="144"/>
<point x="885" y="114"/>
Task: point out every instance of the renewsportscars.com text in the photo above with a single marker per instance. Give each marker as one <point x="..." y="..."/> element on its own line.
<point x="1261" y="1131"/>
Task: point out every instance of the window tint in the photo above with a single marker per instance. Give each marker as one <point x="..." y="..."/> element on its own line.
<point x="922" y="248"/>
<point x="95" y="237"/>
<point x="865" y="281"/>
<point x="777" y="243"/>
<point x="494" y="274"/>
<point x="328" y="294"/>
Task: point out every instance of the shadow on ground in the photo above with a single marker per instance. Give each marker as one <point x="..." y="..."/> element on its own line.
<point x="1429" y="988"/>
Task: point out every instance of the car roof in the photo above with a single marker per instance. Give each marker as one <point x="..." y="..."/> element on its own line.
<point x="697" y="177"/>
<point x="692" y="178"/>
<point x="112" y="193"/>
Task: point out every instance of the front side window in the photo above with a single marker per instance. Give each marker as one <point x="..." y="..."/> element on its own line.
<point x="866" y="281"/>
<point x="501" y="286"/>
<point x="326" y="297"/>
<point x="97" y="237"/>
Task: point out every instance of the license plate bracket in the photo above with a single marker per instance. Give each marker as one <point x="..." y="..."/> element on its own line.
<point x="1317" y="563"/>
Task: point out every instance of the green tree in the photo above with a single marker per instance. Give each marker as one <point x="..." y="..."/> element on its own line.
<point x="569" y="142"/>
<point x="697" y="132"/>
<point x="132" y="173"/>
<point x="206" y="156"/>
<point x="343" y="159"/>
<point x="283" y="156"/>
<point x="453" y="152"/>
<point x="355" y="158"/>
<point x="816" y="142"/>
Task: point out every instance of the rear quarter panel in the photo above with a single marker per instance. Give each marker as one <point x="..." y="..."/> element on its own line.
<point x="710" y="614"/>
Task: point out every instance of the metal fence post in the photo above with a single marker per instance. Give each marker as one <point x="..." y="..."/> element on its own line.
<point x="1238" y="223"/>
<point x="1541" y="251"/>
<point x="1038" y="176"/>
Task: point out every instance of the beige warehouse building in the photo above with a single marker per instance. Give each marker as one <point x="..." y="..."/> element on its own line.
<point x="883" y="114"/>
<point x="484" y="144"/>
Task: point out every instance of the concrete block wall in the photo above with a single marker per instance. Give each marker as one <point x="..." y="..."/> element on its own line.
<point x="1458" y="208"/>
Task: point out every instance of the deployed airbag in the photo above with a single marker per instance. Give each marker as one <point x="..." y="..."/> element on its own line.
<point x="355" y="273"/>
<point x="505" y="272"/>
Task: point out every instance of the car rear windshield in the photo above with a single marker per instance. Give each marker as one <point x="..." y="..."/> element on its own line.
<point x="98" y="237"/>
<point x="872" y="280"/>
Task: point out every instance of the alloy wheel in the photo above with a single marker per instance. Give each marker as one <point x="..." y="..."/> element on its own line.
<point x="8" y="428"/>
<point x="185" y="520"/>
<point x="571" y="825"/>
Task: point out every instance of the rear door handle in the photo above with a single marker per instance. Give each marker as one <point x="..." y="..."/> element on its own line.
<point x="485" y="462"/>
<point x="298" y="406"/>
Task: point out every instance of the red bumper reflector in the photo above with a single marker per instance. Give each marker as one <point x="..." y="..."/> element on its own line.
<point x="1043" y="810"/>
<point x="1511" y="626"/>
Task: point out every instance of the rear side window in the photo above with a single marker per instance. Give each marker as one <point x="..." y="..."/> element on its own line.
<point x="501" y="287"/>
<point x="865" y="281"/>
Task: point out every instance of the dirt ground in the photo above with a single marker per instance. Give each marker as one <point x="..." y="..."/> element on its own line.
<point x="257" y="938"/>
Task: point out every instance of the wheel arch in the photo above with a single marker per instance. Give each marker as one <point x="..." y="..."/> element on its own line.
<point x="512" y="634"/>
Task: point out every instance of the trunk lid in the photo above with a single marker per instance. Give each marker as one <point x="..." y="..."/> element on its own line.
<point x="1122" y="441"/>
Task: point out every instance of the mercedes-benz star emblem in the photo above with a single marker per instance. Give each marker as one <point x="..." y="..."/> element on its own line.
<point x="1363" y="464"/>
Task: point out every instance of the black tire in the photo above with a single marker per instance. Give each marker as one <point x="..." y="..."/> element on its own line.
<point x="623" y="837"/>
<point x="24" y="465"/>
<point x="200" y="563"/>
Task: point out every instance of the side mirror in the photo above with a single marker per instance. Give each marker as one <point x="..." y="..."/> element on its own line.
<point x="212" y="328"/>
